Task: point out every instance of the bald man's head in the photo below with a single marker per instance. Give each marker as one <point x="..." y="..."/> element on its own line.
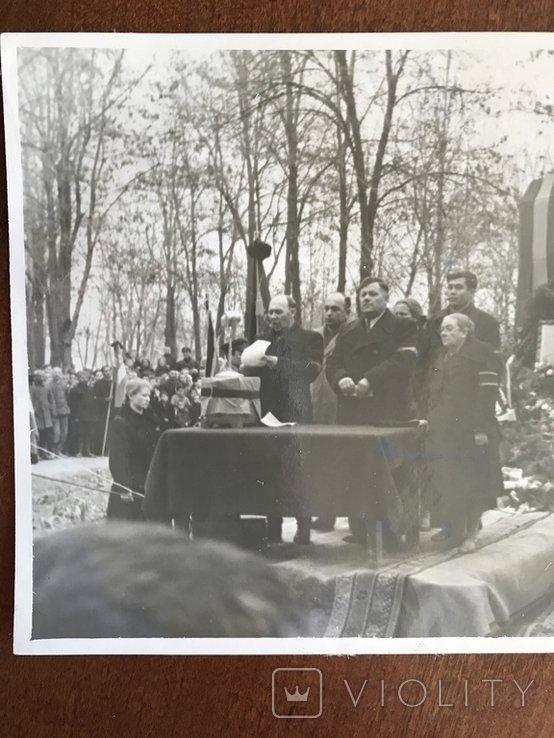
<point x="337" y="307"/>
<point x="281" y="312"/>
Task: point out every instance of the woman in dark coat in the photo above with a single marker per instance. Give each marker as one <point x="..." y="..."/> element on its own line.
<point x="133" y="438"/>
<point x="463" y="439"/>
<point x="410" y="309"/>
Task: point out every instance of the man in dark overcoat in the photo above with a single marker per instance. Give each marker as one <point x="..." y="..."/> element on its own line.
<point x="460" y="295"/>
<point x="103" y="392"/>
<point x="292" y="361"/>
<point x="372" y="361"/>
<point x="88" y="416"/>
<point x="74" y="400"/>
<point x="370" y="368"/>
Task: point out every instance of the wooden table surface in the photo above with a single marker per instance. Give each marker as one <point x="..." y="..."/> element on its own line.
<point x="137" y="696"/>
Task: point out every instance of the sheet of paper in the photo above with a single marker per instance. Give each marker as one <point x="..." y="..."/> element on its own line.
<point x="272" y="422"/>
<point x="252" y="355"/>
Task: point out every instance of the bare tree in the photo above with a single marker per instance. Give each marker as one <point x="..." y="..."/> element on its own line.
<point x="69" y="103"/>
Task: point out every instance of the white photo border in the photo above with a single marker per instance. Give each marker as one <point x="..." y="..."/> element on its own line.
<point x="23" y="643"/>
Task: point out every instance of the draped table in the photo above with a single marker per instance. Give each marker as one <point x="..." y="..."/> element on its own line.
<point x="357" y="471"/>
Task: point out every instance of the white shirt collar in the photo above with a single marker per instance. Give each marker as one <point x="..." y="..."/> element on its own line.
<point x="374" y="320"/>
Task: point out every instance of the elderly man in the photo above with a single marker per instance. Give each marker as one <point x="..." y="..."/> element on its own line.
<point x="292" y="362"/>
<point x="324" y="400"/>
<point x="370" y="367"/>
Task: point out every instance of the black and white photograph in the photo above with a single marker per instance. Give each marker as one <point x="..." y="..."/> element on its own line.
<point x="283" y="342"/>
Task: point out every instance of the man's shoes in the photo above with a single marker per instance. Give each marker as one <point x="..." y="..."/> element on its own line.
<point x="302" y="537"/>
<point x="323" y="525"/>
<point x="439" y="537"/>
<point x="468" y="546"/>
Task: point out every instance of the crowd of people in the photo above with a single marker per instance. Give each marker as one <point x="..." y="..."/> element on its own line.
<point x="71" y="411"/>
<point x="377" y="367"/>
<point x="383" y="367"/>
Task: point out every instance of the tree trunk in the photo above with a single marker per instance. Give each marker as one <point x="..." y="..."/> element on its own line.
<point x="347" y="89"/>
<point x="170" y="321"/>
<point x="169" y="331"/>
<point x="343" y="200"/>
<point x="194" y="288"/>
<point x="36" y="340"/>
<point x="31" y="327"/>
<point x="438" y="255"/>
<point x="373" y="201"/>
<point x="250" y="318"/>
<point x="292" y="264"/>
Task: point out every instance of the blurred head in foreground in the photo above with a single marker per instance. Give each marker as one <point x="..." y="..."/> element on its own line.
<point x="146" y="581"/>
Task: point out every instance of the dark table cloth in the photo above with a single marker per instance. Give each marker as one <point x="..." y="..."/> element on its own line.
<point x="289" y="471"/>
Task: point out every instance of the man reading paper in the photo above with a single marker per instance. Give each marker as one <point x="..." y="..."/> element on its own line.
<point x="292" y="361"/>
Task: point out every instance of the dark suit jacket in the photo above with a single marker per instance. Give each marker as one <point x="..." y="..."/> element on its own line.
<point x="102" y="391"/>
<point x="487" y="328"/>
<point x="285" y="389"/>
<point x="386" y="356"/>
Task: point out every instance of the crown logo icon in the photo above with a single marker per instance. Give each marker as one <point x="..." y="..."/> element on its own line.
<point x="296" y="696"/>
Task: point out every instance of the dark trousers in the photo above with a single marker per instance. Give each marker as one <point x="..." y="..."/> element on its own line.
<point x="45" y="441"/>
<point x="74" y="438"/>
<point x="365" y="532"/>
<point x="465" y="526"/>
<point x="87" y="431"/>
<point x="100" y="434"/>
<point x="392" y="540"/>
